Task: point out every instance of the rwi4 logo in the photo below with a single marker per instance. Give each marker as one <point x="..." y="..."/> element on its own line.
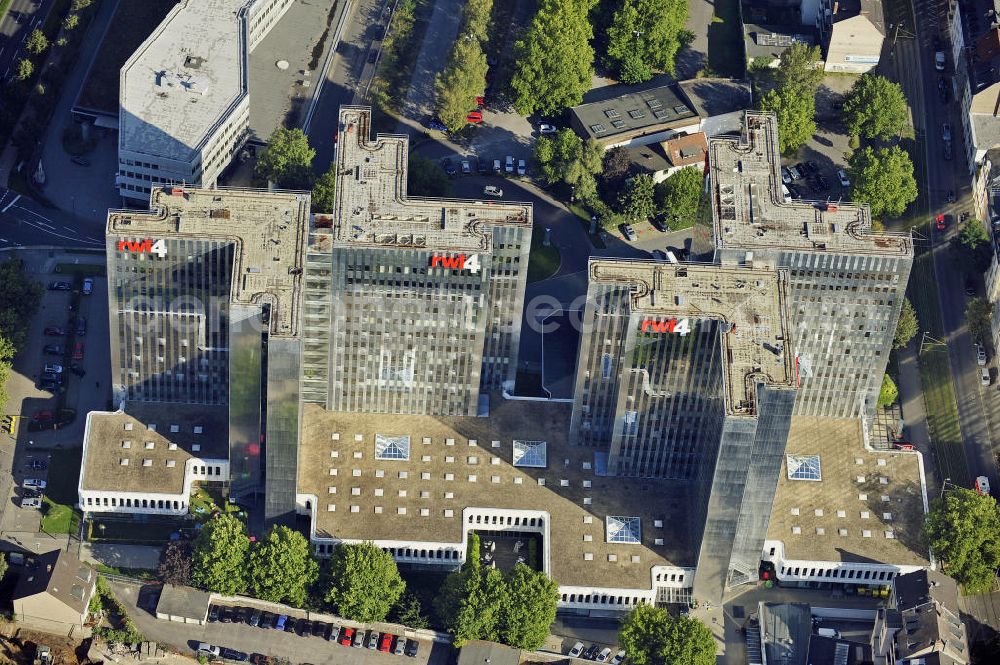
<point x="679" y="326"/>
<point x="468" y="262"/>
<point x="147" y="246"/>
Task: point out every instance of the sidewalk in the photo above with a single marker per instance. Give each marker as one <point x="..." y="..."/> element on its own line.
<point x="442" y="30"/>
<point x="911" y="400"/>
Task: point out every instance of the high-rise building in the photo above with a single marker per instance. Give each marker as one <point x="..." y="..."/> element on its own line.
<point x="205" y="292"/>
<point x="687" y="372"/>
<point x="422" y="297"/>
<point x="846" y="283"/>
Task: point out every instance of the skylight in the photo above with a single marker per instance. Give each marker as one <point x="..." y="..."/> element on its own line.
<point x="803" y="467"/>
<point x="392" y="447"/>
<point x="624" y="529"/>
<point x="530" y="454"/>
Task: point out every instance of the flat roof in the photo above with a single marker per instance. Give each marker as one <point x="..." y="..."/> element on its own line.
<point x="634" y="111"/>
<point x="773" y="39"/>
<point x="749" y="210"/>
<point x="758" y="346"/>
<point x="372" y="209"/>
<point x="183" y="601"/>
<point x="466" y="462"/>
<point x="183" y="79"/>
<point x="786" y="629"/>
<point x="268" y="228"/>
<point x="108" y="434"/>
<point x="860" y="496"/>
<point x="869" y="9"/>
<point x="716" y="96"/>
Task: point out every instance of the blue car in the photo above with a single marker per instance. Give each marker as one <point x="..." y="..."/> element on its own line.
<point x="436" y="125"/>
<point x="280" y="623"/>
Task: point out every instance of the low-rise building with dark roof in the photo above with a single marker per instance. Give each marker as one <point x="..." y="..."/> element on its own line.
<point x="481" y="652"/>
<point x="767" y="41"/>
<point x="663" y="159"/>
<point x="636" y="118"/>
<point x="183" y="604"/>
<point x="57" y="590"/>
<point x="932" y="631"/>
<point x="852" y="33"/>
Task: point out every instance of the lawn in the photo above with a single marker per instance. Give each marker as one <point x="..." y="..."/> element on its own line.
<point x="82" y="269"/>
<point x="61" y="515"/>
<point x="725" y="40"/>
<point x="543" y="261"/>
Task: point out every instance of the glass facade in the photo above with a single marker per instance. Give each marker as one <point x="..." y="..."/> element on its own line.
<point x="281" y="430"/>
<point x="246" y="400"/>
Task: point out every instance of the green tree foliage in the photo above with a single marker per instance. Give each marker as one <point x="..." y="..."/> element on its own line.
<point x="889" y="393"/>
<point x="408" y="612"/>
<point x="457" y="585"/>
<point x="645" y="35"/>
<point x="679" y="195"/>
<point x="978" y="314"/>
<point x="973" y="235"/>
<point x="616" y="169"/>
<point x="287" y="160"/>
<point x="324" y="192"/>
<point x="36" y="42"/>
<point x="426" y="178"/>
<point x="565" y="157"/>
<point x="797" y="68"/>
<point x="651" y="636"/>
<point x="461" y="82"/>
<point x="80" y="4"/>
<point x="883" y="179"/>
<point x="796" y="115"/>
<point x="3" y="564"/>
<point x="907" y="326"/>
<point x="25" y="68"/>
<point x="875" y="107"/>
<point x="220" y="555"/>
<point x="476" y="19"/>
<point x="282" y="567"/>
<point x="19" y="300"/>
<point x="555" y="61"/>
<point x="531" y="608"/>
<point x="636" y="201"/>
<point x="973" y="248"/>
<point x="175" y="563"/>
<point x="70" y="22"/>
<point x="364" y="582"/>
<point x="963" y="529"/>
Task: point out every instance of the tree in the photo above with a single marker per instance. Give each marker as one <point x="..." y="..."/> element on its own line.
<point x="175" y="563"/>
<point x="636" y="202"/>
<point x="220" y="555"/>
<point x="973" y="235"/>
<point x="555" y="61"/>
<point x="456" y="586"/>
<point x="25" y="68"/>
<point x="645" y="35"/>
<point x="651" y="636"/>
<point x="70" y="22"/>
<point x="461" y="82"/>
<point x="19" y="300"/>
<point x="287" y="159"/>
<point x="531" y="608"/>
<point x="875" y="107"/>
<point x="963" y="529"/>
<point x="409" y="612"/>
<point x="797" y="69"/>
<point x="883" y="179"/>
<point x="476" y="18"/>
<point x="324" y="192"/>
<point x="36" y="42"/>
<point x="3" y="565"/>
<point x="281" y="567"/>
<point x="564" y="157"/>
<point x="364" y="582"/>
<point x="426" y="178"/>
<point x="80" y="4"/>
<point x="889" y="393"/>
<point x="907" y="326"/>
<point x="616" y="169"/>
<point x="978" y="315"/>
<point x="679" y="196"/>
<point x="973" y="247"/>
<point x="796" y="113"/>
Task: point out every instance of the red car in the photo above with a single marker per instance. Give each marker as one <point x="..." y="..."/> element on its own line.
<point x="346" y="637"/>
<point x="43" y="415"/>
<point x="385" y="642"/>
<point x="55" y="331"/>
<point x="939" y="222"/>
<point x="480" y="102"/>
<point x="474" y="118"/>
<point x="78" y="351"/>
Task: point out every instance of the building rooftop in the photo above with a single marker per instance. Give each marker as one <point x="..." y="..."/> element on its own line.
<point x="749" y="210"/>
<point x="183" y="79"/>
<point x="268" y="228"/>
<point x="837" y="501"/>
<point x="755" y="302"/>
<point x="870" y="9"/>
<point x="716" y="96"/>
<point x="430" y="469"/>
<point x="632" y="112"/>
<point x="62" y="576"/>
<point x="686" y="150"/>
<point x="156" y="455"/>
<point x="183" y="601"/>
<point x="833" y="651"/>
<point x="372" y="209"/>
<point x="771" y="40"/>
<point x="925" y="586"/>
<point x="785" y="629"/>
<point x="480" y="652"/>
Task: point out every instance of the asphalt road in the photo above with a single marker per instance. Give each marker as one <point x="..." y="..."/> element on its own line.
<point x="25" y="222"/>
<point x="23" y="17"/>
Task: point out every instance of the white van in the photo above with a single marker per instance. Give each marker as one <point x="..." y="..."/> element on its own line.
<point x="492" y="190"/>
<point x="828" y="632"/>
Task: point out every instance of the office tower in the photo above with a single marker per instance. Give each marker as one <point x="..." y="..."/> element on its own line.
<point x="204" y="300"/>
<point x="847" y="284"/>
<point x="425" y="295"/>
<point x="686" y="372"/>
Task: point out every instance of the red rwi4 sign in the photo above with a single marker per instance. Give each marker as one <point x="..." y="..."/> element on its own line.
<point x="468" y="262"/>
<point x="680" y="326"/>
<point x="147" y="246"/>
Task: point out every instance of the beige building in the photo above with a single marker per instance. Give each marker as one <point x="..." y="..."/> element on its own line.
<point x="852" y="33"/>
<point x="57" y="590"/>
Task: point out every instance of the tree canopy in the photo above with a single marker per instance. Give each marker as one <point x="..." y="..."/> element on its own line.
<point x="324" y="192"/>
<point x="281" y="567"/>
<point x="679" y="195"/>
<point x="175" y="563"/>
<point x="531" y="608"/>
<point x="463" y="79"/>
<point x="364" y="582"/>
<point x="636" y="200"/>
<point x="875" y="107"/>
<point x="36" y="42"/>
<point x="889" y="393"/>
<point x="25" y="68"/>
<point x="644" y="36"/>
<point x="883" y="179"/>
<point x="796" y="115"/>
<point x="565" y="157"/>
<point x="651" y="636"/>
<point x="797" y="68"/>
<point x="978" y="314"/>
<point x="287" y="159"/>
<point x="973" y="247"/>
<point x="220" y="554"/>
<point x="907" y="326"/>
<point x="963" y="529"/>
<point x="555" y="61"/>
<point x="426" y="178"/>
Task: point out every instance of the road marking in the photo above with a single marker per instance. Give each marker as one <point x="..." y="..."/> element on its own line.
<point x="32" y="212"/>
<point x="7" y="207"/>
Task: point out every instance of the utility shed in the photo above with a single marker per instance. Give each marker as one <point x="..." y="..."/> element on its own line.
<point x="480" y="652"/>
<point x="183" y="604"/>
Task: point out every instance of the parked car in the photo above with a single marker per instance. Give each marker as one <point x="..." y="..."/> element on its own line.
<point x="466" y="167"/>
<point x="44" y="414"/>
<point x="939" y="222"/>
<point x="207" y="649"/>
<point x="603" y="656"/>
<point x="54" y="331"/>
<point x="474" y="118"/>
<point x="400" y="647"/>
<point x="497" y="168"/>
<point x="290" y="624"/>
<point x="619" y="657"/>
<point x="78" y="351"/>
<point x="795" y="173"/>
<point x="508" y="164"/>
<point x="226" y="614"/>
<point x="939" y="61"/>
<point x="448" y="166"/>
<point x="522" y="168"/>
<point x="31" y="502"/>
<point x="980" y="356"/>
<point x="88" y="286"/>
<point x="280" y="623"/>
<point x="255" y="617"/>
<point x="52" y="367"/>
<point x="76" y="369"/>
<point x="53" y="349"/>
<point x="303" y="628"/>
<point x="81" y="326"/>
<point x="359" y="639"/>
<point x="842" y="175"/>
<point x="372" y="640"/>
<point x="60" y="286"/>
<point x="31" y="494"/>
<point x="385" y="642"/>
<point x="346" y="637"/>
<point x="267" y="620"/>
<point x="492" y="190"/>
<point x="34" y="483"/>
<point x="984" y="378"/>
<point x="412" y="646"/>
<point x="576" y="650"/>
<point x="333" y="633"/>
<point x="319" y="629"/>
<point x="786" y="175"/>
<point x="812" y="167"/>
<point x="946" y="131"/>
<point x="546" y="128"/>
<point x="82" y="161"/>
<point x="232" y="654"/>
<point x="629" y="232"/>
